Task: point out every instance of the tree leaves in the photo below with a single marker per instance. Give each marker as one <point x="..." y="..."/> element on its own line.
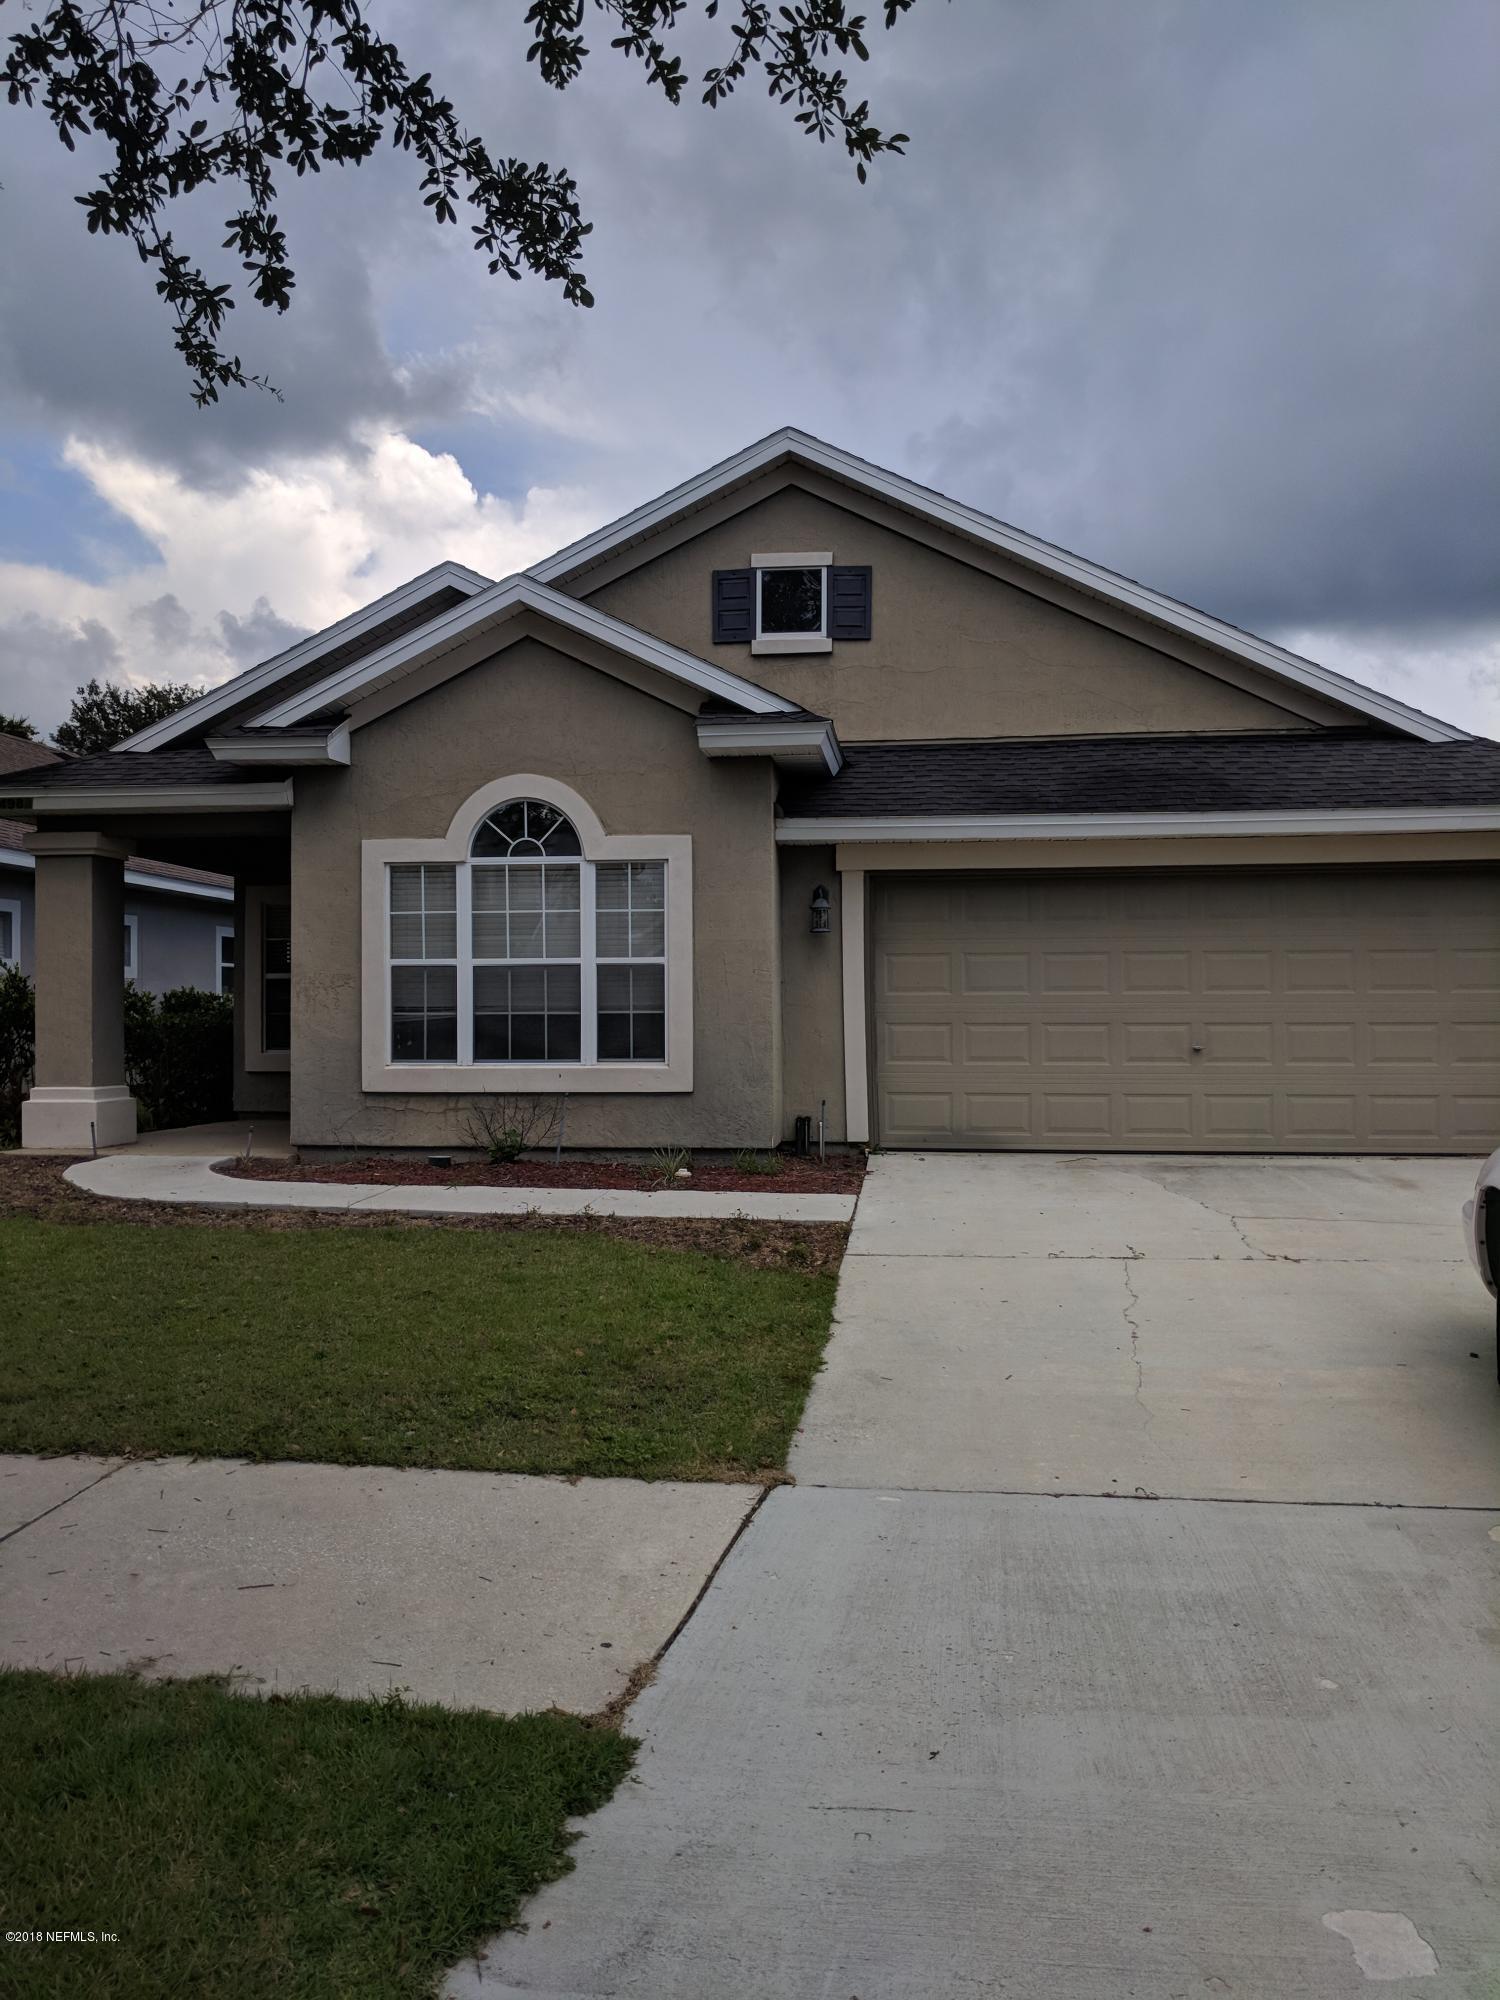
<point x="254" y="63"/>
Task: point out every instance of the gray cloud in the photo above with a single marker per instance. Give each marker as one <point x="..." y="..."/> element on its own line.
<point x="259" y="634"/>
<point x="42" y="660"/>
<point x="1205" y="291"/>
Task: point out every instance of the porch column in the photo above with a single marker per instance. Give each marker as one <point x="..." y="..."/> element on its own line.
<point x="80" y="995"/>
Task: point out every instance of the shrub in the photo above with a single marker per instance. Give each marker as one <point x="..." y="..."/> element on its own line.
<point x="748" y="1161"/>
<point x="179" y="1056"/>
<point x="503" y="1128"/>
<point x="666" y="1163"/>
<point x="17" y="1049"/>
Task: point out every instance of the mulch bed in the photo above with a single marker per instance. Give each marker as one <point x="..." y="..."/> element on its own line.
<point x="32" y="1184"/>
<point x="841" y="1174"/>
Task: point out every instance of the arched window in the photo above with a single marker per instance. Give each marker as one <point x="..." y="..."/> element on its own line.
<point x="527" y="952"/>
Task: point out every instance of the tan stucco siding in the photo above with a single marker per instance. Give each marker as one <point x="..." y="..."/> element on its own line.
<point x="954" y="651"/>
<point x="635" y="760"/>
<point x="811" y="992"/>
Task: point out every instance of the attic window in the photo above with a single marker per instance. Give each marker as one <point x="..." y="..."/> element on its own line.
<point x="791" y="603"/>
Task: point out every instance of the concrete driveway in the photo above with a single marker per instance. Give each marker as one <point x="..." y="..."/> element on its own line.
<point x="1231" y="1328"/>
<point x="949" y="1723"/>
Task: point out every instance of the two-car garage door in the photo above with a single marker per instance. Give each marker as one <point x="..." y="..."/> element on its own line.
<point x="1300" y="1011"/>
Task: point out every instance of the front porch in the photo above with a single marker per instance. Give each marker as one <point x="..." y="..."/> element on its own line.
<point x="80" y="1100"/>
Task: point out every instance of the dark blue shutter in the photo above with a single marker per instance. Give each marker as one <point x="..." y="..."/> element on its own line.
<point x="734" y="607"/>
<point x="849" y="603"/>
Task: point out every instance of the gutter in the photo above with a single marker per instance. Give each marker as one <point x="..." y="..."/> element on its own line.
<point x="932" y="827"/>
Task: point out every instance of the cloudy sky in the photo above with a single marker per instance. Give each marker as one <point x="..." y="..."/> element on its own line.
<point x="1207" y="290"/>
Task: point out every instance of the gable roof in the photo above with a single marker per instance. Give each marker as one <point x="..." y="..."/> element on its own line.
<point x="402" y="610"/>
<point x="488" y="609"/>
<point x="794" y="447"/>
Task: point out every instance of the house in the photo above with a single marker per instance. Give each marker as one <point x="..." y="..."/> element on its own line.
<point x="177" y="923"/>
<point x="804" y="788"/>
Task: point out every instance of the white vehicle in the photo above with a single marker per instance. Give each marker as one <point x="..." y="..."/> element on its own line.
<point x="1482" y="1235"/>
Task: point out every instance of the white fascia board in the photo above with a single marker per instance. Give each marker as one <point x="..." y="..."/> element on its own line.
<point x="1137" y="826"/>
<point x="985" y="529"/>
<point x="165" y="799"/>
<point x="491" y="607"/>
<point x="330" y="749"/>
<point x="268" y="673"/>
<point x="813" y="742"/>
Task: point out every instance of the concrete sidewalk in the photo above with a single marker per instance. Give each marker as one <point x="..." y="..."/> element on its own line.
<point x="475" y="1589"/>
<point x="135" y="1176"/>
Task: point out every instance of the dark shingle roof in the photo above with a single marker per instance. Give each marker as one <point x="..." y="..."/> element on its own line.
<point x="189" y="764"/>
<point x="1319" y="771"/>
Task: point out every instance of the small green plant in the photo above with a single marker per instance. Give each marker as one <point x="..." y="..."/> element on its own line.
<point x="666" y="1163"/>
<point x="748" y="1161"/>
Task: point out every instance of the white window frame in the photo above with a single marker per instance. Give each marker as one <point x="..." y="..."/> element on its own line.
<point x="13" y="911"/>
<point x="248" y="967"/>
<point x="793" y="642"/>
<point x="675" y="850"/>
<point x="221" y="932"/>
<point x="133" y="952"/>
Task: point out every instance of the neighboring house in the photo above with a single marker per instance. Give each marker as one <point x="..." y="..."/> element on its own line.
<point x="806" y="788"/>
<point x="177" y="924"/>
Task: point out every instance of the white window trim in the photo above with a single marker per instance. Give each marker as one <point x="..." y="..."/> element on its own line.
<point x="249" y="968"/>
<point x="13" y="911"/>
<point x="379" y="1073"/>
<point x="221" y="932"/>
<point x="793" y="642"/>
<point x="133" y="955"/>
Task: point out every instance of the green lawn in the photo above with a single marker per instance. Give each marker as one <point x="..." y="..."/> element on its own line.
<point x="531" y="1351"/>
<point x="310" y="1848"/>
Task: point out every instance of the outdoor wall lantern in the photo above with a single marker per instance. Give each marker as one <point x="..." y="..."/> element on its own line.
<point x="818" y="908"/>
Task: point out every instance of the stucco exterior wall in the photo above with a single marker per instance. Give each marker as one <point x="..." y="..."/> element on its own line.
<point x="812" y="993"/>
<point x="954" y="651"/>
<point x="637" y="763"/>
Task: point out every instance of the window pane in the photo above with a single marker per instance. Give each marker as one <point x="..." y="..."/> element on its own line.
<point x="526" y="826"/>
<point x="612" y="885"/>
<point x="791" y="600"/>
<point x="424" y="910"/>
<point x="527" y="1013"/>
<point x="7" y="936"/>
<point x="632" y="1013"/>
<point x="648" y="885"/>
<point x="276" y="1015"/>
<point x="630" y="921"/>
<point x="424" y="1013"/>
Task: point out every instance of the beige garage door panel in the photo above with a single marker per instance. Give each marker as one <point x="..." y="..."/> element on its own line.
<point x="1299" y="1012"/>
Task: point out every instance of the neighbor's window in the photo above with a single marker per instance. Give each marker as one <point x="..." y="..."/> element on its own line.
<point x="225" y="961"/>
<point x="10" y="934"/>
<point x="130" y="948"/>
<point x="791" y="601"/>
<point x="527" y="952"/>
<point x="275" y="977"/>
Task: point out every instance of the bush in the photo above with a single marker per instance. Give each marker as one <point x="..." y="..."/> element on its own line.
<point x="503" y="1128"/>
<point x="179" y="1056"/>
<point x="17" y="1049"/>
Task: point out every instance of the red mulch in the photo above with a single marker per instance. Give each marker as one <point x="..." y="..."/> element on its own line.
<point x="840" y="1175"/>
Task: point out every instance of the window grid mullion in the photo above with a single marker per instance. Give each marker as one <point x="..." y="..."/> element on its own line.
<point x="464" y="901"/>
<point x="588" y="966"/>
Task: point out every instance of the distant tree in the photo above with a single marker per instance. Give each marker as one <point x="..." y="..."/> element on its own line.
<point x="17" y="725"/>
<point x="190" y="93"/>
<point x="103" y="715"/>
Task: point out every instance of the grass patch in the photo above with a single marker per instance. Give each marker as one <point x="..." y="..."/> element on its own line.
<point x="537" y="1351"/>
<point x="307" y="1847"/>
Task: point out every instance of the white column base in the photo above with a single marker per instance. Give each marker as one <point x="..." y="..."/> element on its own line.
<point x="74" y="1118"/>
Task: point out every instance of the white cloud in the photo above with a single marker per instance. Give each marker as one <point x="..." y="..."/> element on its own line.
<point x="1454" y="676"/>
<point x="293" y="547"/>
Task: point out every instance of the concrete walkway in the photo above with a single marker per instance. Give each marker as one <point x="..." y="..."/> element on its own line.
<point x="922" y="1744"/>
<point x="476" y="1589"/>
<point x="132" y="1175"/>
